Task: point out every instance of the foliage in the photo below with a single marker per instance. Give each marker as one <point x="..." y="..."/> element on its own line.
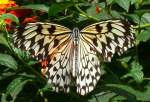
<point x="126" y="78"/>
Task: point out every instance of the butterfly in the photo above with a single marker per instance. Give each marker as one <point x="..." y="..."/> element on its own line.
<point x="73" y="55"/>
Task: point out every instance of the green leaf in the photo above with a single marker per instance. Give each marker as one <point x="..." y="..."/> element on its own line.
<point x="135" y="18"/>
<point x="103" y="97"/>
<point x="145" y="18"/>
<point x="56" y="8"/>
<point x="3" y="40"/>
<point x="103" y="15"/>
<point x="125" y="59"/>
<point x="40" y="7"/>
<point x="23" y="54"/>
<point x="145" y="2"/>
<point x="110" y="1"/>
<point x="8" y="61"/>
<point x="119" y="93"/>
<point x="144" y="96"/>
<point x="123" y="90"/>
<point x="47" y="87"/>
<point x="15" y="87"/>
<point x="6" y="74"/>
<point x="30" y="63"/>
<point x="3" y="98"/>
<point x="115" y="93"/>
<point x="135" y="72"/>
<point x="11" y="16"/>
<point x="124" y="4"/>
<point x="116" y="14"/>
<point x="144" y="36"/>
<point x="134" y="1"/>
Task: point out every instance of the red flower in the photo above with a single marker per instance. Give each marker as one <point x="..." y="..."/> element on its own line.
<point x="8" y="22"/>
<point x="30" y="20"/>
<point x="20" y="13"/>
<point x="44" y="69"/>
<point x="98" y="9"/>
<point x="11" y="4"/>
<point x="2" y="9"/>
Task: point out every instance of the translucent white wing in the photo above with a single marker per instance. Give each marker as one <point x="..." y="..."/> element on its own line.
<point x="89" y="70"/>
<point x="50" y="42"/>
<point x="108" y="37"/>
<point x="41" y="39"/>
<point x="59" y="69"/>
<point x="104" y="39"/>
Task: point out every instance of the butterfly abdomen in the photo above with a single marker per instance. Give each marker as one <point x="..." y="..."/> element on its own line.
<point x="75" y="36"/>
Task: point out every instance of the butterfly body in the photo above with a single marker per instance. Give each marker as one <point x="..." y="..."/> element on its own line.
<point x="74" y="53"/>
<point x="76" y="40"/>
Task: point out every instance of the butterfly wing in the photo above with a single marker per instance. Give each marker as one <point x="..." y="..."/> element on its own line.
<point x="50" y="42"/>
<point x="89" y="68"/>
<point x="104" y="39"/>
<point x="108" y="37"/>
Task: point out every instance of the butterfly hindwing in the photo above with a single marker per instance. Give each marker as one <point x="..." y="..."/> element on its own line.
<point x="59" y="68"/>
<point x="89" y="68"/>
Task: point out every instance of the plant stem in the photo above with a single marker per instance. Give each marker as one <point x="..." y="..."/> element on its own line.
<point x="146" y="78"/>
<point x="84" y="14"/>
<point x="142" y="26"/>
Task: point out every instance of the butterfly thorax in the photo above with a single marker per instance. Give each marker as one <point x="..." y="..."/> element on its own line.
<point x="75" y="36"/>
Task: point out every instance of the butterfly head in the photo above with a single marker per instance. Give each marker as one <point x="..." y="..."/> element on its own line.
<point x="75" y="34"/>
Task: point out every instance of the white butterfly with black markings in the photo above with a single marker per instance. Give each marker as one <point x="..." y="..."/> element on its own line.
<point x="73" y="54"/>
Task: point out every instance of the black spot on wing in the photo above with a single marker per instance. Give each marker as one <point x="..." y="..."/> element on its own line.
<point x="20" y="30"/>
<point x="40" y="42"/>
<point x="103" y="47"/>
<point x="57" y="76"/>
<point x="54" y="58"/>
<point x="108" y="42"/>
<point x="109" y="26"/>
<point x="40" y="56"/>
<point x="126" y="42"/>
<point x="52" y="29"/>
<point x="46" y="50"/>
<point x="95" y="42"/>
<point x="56" y="42"/>
<point x="92" y="59"/>
<point x="39" y="29"/>
<point x="109" y="54"/>
<point x="98" y="28"/>
<point x="55" y="69"/>
<point x="23" y="47"/>
<point x="88" y="76"/>
<point x="117" y="49"/>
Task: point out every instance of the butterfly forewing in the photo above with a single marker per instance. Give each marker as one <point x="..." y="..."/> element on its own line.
<point x="41" y="39"/>
<point x="108" y="37"/>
